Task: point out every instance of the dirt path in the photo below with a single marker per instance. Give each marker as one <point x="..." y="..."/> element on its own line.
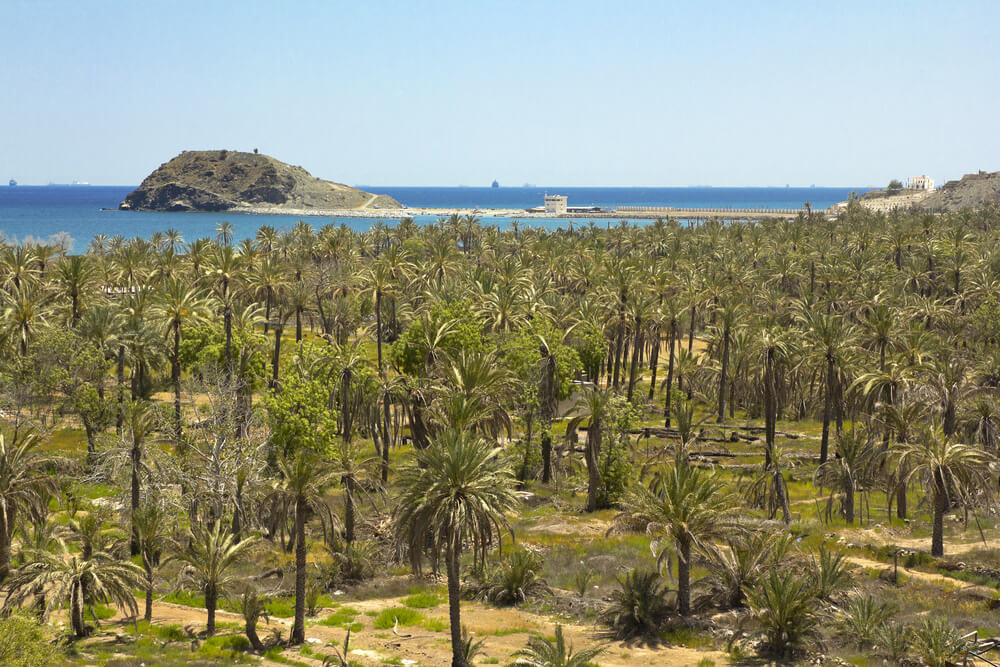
<point x="369" y="202"/>
<point x="880" y="537"/>
<point x="929" y="577"/>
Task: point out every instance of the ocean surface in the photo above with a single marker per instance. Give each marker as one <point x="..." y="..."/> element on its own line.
<point x="39" y="212"/>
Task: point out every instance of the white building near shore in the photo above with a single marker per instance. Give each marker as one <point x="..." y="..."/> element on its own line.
<point x="555" y="204"/>
<point x="920" y="183"/>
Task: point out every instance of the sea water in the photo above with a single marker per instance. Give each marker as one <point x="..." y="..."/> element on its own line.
<point x="40" y="212"/>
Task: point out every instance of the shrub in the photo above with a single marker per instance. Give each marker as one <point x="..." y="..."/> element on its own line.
<point x="937" y="642"/>
<point x="783" y="607"/>
<point x="23" y="643"/>
<point x="860" y="618"/>
<point x="581" y="581"/>
<point x="512" y="581"/>
<point x="829" y="572"/>
<point x="638" y="608"/>
<point x="543" y="652"/>
<point x="892" y="641"/>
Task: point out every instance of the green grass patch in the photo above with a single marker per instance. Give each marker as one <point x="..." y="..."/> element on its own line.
<point x="423" y="600"/>
<point x="387" y="617"/>
<point x="435" y="624"/>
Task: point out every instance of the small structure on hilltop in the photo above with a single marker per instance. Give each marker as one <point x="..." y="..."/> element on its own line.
<point x="920" y="183"/>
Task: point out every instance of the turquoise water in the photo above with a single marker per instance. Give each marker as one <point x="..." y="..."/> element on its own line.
<point x="40" y="212"/>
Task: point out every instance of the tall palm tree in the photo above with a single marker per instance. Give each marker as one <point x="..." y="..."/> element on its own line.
<point x="153" y="525"/>
<point x="830" y="338"/>
<point x="25" y="309"/>
<point x="690" y="506"/>
<point x="209" y="558"/>
<point x="26" y="484"/>
<point x="954" y="473"/>
<point x="304" y="478"/>
<point x="179" y="305"/>
<point x="592" y="406"/>
<point x="459" y="491"/>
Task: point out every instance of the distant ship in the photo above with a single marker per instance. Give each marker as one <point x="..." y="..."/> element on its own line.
<point x="495" y="184"/>
<point x="12" y="183"/>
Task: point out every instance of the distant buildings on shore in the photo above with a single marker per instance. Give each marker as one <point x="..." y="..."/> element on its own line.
<point x="559" y="205"/>
<point x="920" y="183"/>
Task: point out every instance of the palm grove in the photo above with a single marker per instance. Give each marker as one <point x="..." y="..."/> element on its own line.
<point x="381" y="397"/>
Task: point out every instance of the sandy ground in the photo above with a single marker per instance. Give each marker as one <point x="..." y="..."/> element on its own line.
<point x="373" y="647"/>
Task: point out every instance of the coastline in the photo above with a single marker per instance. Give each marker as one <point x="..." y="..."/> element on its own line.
<point x="652" y="213"/>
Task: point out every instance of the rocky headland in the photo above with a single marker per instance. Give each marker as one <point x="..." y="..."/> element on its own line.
<point x="222" y="180"/>
<point x="970" y="191"/>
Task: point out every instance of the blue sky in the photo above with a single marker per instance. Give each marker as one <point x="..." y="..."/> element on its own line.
<point x="553" y="93"/>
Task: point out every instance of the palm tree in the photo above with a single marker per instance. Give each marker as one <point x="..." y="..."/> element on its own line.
<point x="592" y="405"/>
<point x="542" y="652"/>
<point x="690" y="506"/>
<point x="179" y="305"/>
<point x="153" y="526"/>
<point x="954" y="473"/>
<point x="75" y="275"/>
<point x="25" y="309"/>
<point x="830" y="339"/>
<point x="26" y="484"/>
<point x="304" y="477"/>
<point x="458" y="491"/>
<point x="209" y="557"/>
<point x="851" y="469"/>
<point x="64" y="577"/>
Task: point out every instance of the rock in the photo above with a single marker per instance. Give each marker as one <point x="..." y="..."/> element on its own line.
<point x="231" y="180"/>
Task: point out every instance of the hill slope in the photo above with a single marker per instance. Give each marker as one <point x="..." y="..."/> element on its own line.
<point x="970" y="191"/>
<point x="227" y="180"/>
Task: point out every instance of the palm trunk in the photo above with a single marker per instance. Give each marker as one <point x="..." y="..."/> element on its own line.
<point x="228" y="324"/>
<point x="684" y="577"/>
<point x="299" y="627"/>
<point x="349" y="509"/>
<point x="136" y="463"/>
<point x="619" y="343"/>
<point x="385" y="438"/>
<point x="546" y="458"/>
<point x="454" y="604"/>
<point x="593" y="452"/>
<point x="298" y="325"/>
<point x="824" y="446"/>
<point x="121" y="389"/>
<point x="635" y="359"/>
<point x="4" y="544"/>
<point x="251" y="632"/>
<point x="940" y="505"/>
<point x="378" y="329"/>
<point x="148" y="615"/>
<point x="276" y="356"/>
<point x="175" y="376"/>
<point x="654" y="360"/>
<point x="901" y="500"/>
<point x="76" y="611"/>
<point x="211" y="602"/>
<point x="694" y="316"/>
<point x="722" y="375"/>
<point x="670" y="372"/>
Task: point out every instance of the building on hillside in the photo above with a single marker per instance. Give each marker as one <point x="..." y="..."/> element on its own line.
<point x="920" y="183"/>
<point x="555" y="204"/>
